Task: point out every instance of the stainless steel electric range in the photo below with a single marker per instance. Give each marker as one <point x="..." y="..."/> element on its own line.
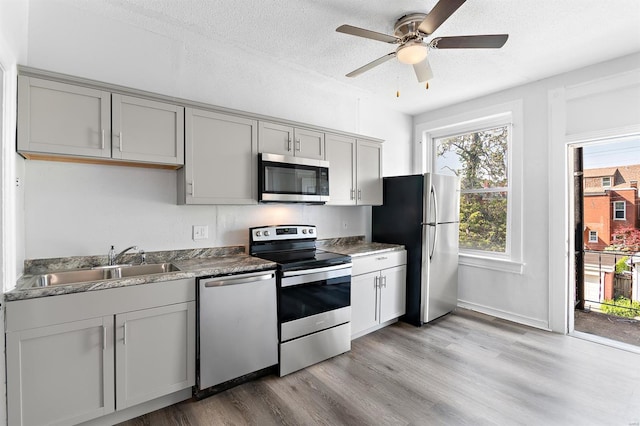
<point x="314" y="294"/>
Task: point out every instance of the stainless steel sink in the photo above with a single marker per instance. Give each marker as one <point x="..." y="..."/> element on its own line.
<point x="147" y="269"/>
<point x="103" y="273"/>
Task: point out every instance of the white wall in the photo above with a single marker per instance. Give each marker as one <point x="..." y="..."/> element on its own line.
<point x="73" y="209"/>
<point x="527" y="297"/>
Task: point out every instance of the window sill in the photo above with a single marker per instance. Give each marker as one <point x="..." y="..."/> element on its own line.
<point x="493" y="263"/>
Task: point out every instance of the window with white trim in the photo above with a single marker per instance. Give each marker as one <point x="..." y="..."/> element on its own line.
<point x="501" y="188"/>
<point x="606" y="182"/>
<point x="480" y="159"/>
<point x="619" y="210"/>
<point x="593" y="236"/>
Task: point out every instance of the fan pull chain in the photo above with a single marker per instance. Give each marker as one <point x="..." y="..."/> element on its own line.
<point x="426" y="86"/>
<point x="398" y="87"/>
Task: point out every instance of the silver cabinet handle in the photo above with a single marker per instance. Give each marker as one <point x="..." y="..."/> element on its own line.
<point x="124" y="330"/>
<point x="102" y="140"/>
<point x="375" y="282"/>
<point x="289" y="145"/>
<point x="352" y="194"/>
<point x="384" y="281"/>
<point x="375" y="306"/>
<point x="359" y="194"/>
<point x="193" y="185"/>
<point x="298" y="145"/>
<point x="242" y="279"/>
<point x="104" y="338"/>
<point x="120" y="137"/>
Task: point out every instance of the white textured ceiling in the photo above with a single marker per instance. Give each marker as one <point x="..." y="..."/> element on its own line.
<point x="546" y="37"/>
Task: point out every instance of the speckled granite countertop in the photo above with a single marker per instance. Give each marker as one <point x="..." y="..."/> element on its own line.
<point x="356" y="246"/>
<point x="192" y="264"/>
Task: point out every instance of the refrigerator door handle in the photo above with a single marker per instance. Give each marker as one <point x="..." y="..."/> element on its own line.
<point x="435" y="226"/>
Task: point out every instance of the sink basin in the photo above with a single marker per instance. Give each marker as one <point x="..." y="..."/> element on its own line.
<point x="103" y="273"/>
<point x="147" y="269"/>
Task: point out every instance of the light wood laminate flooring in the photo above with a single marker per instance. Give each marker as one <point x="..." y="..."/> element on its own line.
<point x="465" y="369"/>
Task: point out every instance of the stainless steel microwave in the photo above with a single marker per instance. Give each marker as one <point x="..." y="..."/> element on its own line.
<point x="292" y="180"/>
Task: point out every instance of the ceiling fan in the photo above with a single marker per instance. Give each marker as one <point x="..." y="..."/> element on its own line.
<point x="410" y="34"/>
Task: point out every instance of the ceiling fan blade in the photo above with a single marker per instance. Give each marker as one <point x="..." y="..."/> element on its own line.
<point x="470" y="42"/>
<point x="423" y="71"/>
<point x="440" y="12"/>
<point x="361" y="32"/>
<point x="372" y="64"/>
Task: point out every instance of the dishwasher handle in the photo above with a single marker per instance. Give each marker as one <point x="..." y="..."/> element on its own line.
<point x="238" y="279"/>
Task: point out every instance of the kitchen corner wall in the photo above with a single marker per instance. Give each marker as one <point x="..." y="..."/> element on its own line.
<point x="77" y="209"/>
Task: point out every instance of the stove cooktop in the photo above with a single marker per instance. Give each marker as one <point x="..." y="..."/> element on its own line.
<point x="305" y="259"/>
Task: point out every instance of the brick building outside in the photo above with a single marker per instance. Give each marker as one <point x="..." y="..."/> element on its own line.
<point x="611" y="203"/>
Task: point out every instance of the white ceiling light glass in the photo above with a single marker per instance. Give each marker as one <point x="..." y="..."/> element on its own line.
<point x="412" y="52"/>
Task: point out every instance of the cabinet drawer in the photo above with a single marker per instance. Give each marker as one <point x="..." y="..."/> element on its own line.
<point x="376" y="262"/>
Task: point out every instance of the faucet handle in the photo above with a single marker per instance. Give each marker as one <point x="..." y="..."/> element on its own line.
<point x="143" y="257"/>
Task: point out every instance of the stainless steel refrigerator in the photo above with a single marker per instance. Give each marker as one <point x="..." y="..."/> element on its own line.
<point x="422" y="212"/>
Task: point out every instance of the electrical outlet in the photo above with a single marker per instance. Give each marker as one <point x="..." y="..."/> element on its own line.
<point x="200" y="232"/>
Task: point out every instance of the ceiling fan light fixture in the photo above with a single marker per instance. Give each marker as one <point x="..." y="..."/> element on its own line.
<point x="412" y="52"/>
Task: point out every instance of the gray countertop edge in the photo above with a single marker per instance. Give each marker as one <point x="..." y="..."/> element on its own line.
<point x="362" y="249"/>
<point x="193" y="268"/>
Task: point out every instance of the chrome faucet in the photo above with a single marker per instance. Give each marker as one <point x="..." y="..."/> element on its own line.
<point x="114" y="258"/>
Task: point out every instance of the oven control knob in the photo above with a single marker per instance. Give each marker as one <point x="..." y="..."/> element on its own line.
<point x="304" y="231"/>
<point x="311" y="230"/>
<point x="266" y="233"/>
<point x="258" y="233"/>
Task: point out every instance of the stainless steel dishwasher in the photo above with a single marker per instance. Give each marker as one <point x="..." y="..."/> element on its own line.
<point x="237" y="328"/>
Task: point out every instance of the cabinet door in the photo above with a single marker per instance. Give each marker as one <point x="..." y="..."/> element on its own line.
<point x="155" y="353"/>
<point x="341" y="155"/>
<point x="369" y="173"/>
<point x="393" y="293"/>
<point x="309" y="144"/>
<point x="364" y="304"/>
<point x="149" y="131"/>
<point x="62" y="118"/>
<point x="275" y="138"/>
<point x="221" y="159"/>
<point x="60" y="374"/>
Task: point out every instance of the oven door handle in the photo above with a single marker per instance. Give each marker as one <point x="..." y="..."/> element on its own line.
<point x="317" y="270"/>
<point x="315" y="275"/>
<point x="238" y="279"/>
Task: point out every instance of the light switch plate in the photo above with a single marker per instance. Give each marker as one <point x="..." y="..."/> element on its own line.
<point x="200" y="232"/>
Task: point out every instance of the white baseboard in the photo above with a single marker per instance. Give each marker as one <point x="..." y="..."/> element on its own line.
<point x="510" y="316"/>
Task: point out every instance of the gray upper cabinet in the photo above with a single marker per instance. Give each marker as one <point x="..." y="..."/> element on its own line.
<point x="62" y="119"/>
<point x="369" y="173"/>
<point x="221" y="159"/>
<point x="286" y="140"/>
<point x="341" y="155"/>
<point x="145" y="130"/>
<point x="355" y="171"/>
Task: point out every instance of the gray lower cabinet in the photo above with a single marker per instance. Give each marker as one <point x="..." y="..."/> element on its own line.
<point x="355" y="171"/>
<point x="378" y="291"/>
<point x="154" y="353"/>
<point x="75" y="121"/>
<point x="77" y="357"/>
<point x="61" y="374"/>
<point x="221" y="159"/>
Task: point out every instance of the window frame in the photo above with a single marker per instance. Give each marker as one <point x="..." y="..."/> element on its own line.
<point x="498" y="189"/>
<point x="493" y="116"/>
<point x="609" y="179"/>
<point x="623" y="210"/>
<point x="593" y="240"/>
